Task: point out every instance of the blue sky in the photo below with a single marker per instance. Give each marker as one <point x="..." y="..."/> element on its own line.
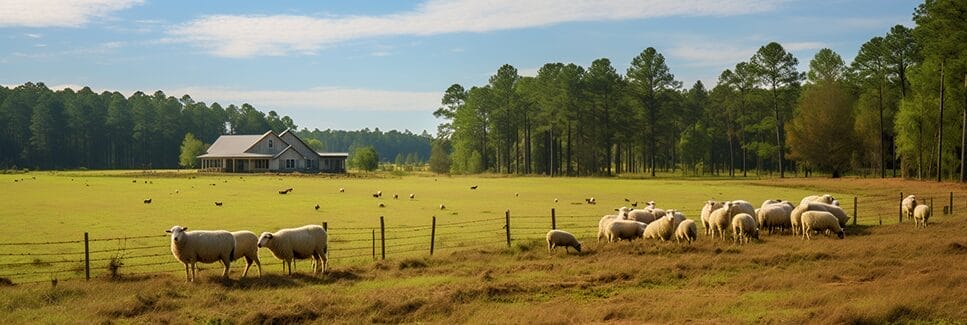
<point x="385" y="64"/>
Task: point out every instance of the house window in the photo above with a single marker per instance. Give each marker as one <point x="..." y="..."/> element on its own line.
<point x="308" y="164"/>
<point x="270" y="143"/>
<point x="290" y="163"/>
<point x="261" y="164"/>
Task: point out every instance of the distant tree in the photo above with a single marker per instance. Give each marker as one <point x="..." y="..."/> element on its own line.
<point x="316" y="145"/>
<point x="826" y="65"/>
<point x="821" y="134"/>
<point x="191" y="148"/>
<point x="648" y="76"/>
<point x="440" y="156"/>
<point x="365" y="158"/>
<point x="776" y="70"/>
<point x="869" y="68"/>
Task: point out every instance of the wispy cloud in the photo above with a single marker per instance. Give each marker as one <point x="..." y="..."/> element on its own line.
<point x="57" y="13"/>
<point x="320" y="99"/>
<point x="33" y="35"/>
<point x="274" y="35"/>
<point x="802" y="46"/>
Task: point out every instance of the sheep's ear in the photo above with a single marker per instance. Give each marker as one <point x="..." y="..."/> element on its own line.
<point x="184" y="228"/>
<point x="168" y="231"/>
<point x="616" y="209"/>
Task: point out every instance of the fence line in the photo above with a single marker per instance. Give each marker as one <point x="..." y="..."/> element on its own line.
<point x="365" y="243"/>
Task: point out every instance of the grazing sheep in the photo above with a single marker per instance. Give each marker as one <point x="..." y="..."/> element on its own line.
<point x="382" y="205"/>
<point x="720" y="219"/>
<point x="775" y="216"/>
<point x="825" y="198"/>
<point x="740" y="206"/>
<point x="796" y="215"/>
<point x="908" y="204"/>
<point x="317" y="207"/>
<point x="625" y="229"/>
<point x="396" y="196"/>
<point x="473" y="187"/>
<point x="442" y="207"/>
<point x="686" y="231"/>
<point x="707" y="211"/>
<point x="304" y="242"/>
<point x="641" y="215"/>
<point x="218" y="203"/>
<point x="281" y="192"/>
<point x="342" y="190"/>
<point x="921" y="213"/>
<point x="744" y="228"/>
<point x="375" y="195"/>
<point x="560" y="238"/>
<point x="820" y="221"/>
<point x="603" y="225"/>
<point x="247" y="246"/>
<point x="412" y="196"/>
<point x="205" y="246"/>
<point x="662" y="229"/>
<point x="590" y="200"/>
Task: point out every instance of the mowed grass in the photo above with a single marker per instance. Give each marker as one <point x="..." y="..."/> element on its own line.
<point x="878" y="274"/>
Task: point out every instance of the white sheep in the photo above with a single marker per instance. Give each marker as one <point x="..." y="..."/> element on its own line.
<point x="686" y="231"/>
<point x="560" y="238"/>
<point x="825" y="198"/>
<point x="744" y="228"/>
<point x="662" y="229"/>
<point x="625" y="229"/>
<point x="741" y="206"/>
<point x="768" y="202"/>
<point x="308" y="241"/>
<point x="820" y="221"/>
<point x="908" y="204"/>
<point x="796" y="214"/>
<point x="603" y="226"/>
<point x="205" y="246"/>
<point x="775" y="216"/>
<point x="247" y="246"/>
<point x="642" y="215"/>
<point x="706" y="211"/>
<point x="921" y="213"/>
<point x="720" y="220"/>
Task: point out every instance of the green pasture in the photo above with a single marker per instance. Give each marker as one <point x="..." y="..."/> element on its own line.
<point x="62" y="206"/>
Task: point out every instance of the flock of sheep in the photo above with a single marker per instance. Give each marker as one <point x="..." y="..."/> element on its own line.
<point x="211" y="246"/>
<point x="813" y="214"/>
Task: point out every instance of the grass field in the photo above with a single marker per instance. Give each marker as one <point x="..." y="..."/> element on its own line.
<point x="879" y="273"/>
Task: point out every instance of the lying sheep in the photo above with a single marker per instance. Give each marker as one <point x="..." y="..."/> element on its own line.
<point x="560" y="238"/>
<point x="820" y="221"/>
<point x="908" y="204"/>
<point x="662" y="229"/>
<point x="706" y="211"/>
<point x="921" y="213"/>
<point x="308" y="241"/>
<point x="625" y="229"/>
<point x="775" y="216"/>
<point x="686" y="231"/>
<point x="719" y="220"/>
<point x="247" y="246"/>
<point x="744" y="228"/>
<point x="205" y="246"/>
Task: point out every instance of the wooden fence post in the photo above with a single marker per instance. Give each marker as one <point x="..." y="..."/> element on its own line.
<point x="382" y="237"/>
<point x="900" y="211"/>
<point x="432" y="234"/>
<point x="951" y="202"/>
<point x="507" y="225"/>
<point x="855" y="215"/>
<point x="374" y="244"/>
<point x="553" y="220"/>
<point x="87" y="258"/>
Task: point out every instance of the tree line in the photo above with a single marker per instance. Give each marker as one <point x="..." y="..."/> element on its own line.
<point x="883" y="111"/>
<point x="391" y="146"/>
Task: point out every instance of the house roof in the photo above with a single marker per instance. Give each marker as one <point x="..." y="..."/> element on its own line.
<point x="332" y="154"/>
<point x="304" y="144"/>
<point x="287" y="149"/>
<point x="232" y="145"/>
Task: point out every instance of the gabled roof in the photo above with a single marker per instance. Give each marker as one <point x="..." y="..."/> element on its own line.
<point x="297" y="138"/>
<point x="287" y="149"/>
<point x="234" y="146"/>
<point x="260" y="139"/>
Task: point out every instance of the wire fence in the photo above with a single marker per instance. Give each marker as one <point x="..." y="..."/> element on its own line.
<point x="86" y="257"/>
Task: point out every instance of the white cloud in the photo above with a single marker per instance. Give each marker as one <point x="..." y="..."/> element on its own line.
<point x="319" y="99"/>
<point x="33" y="35"/>
<point x="274" y="35"/>
<point x="528" y="72"/>
<point x="57" y="13"/>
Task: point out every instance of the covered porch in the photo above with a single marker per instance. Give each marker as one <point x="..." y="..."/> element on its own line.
<point x="235" y="164"/>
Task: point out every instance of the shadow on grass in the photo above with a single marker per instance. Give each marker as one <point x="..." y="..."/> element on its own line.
<point x="274" y="281"/>
<point x="858" y="230"/>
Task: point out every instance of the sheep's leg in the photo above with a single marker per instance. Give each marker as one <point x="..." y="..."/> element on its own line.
<point x="227" y="261"/>
<point x="259" y="263"/>
<point x="187" y="273"/>
<point x="248" y="264"/>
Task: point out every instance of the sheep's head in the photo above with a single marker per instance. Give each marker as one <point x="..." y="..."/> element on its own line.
<point x="827" y="198"/>
<point x="265" y="238"/>
<point x="623" y="212"/>
<point x="177" y="233"/>
<point x="578" y="247"/>
<point x="841" y="234"/>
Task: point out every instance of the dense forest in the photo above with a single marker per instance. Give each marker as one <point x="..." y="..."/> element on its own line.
<point x="885" y="111"/>
<point x="65" y="129"/>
